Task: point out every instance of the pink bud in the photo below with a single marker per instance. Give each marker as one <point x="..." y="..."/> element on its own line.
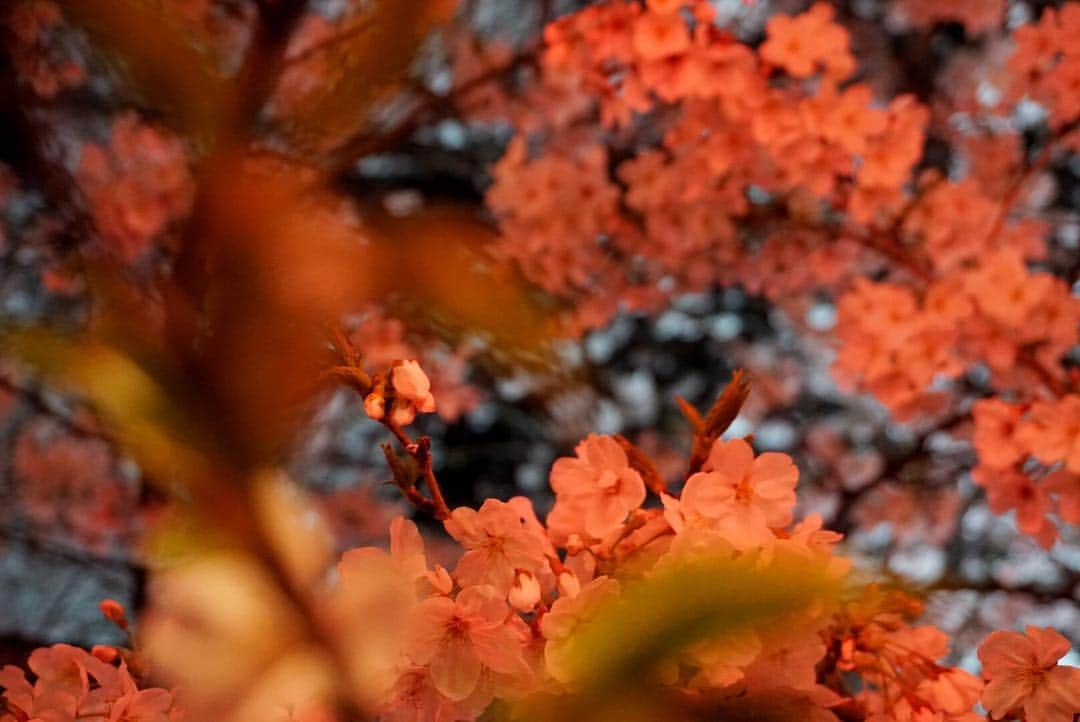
<point x="403" y="413"/>
<point x="525" y="592"/>
<point x="412" y="385"/>
<point x="106" y="654"/>
<point x="440" y="579"/>
<point x="114" y="612"/>
<point x="375" y="406"/>
<point x="410" y="381"/>
<point x="569" y="586"/>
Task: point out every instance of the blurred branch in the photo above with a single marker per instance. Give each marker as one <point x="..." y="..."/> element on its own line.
<point x="1067" y="589"/>
<point x="350" y="33"/>
<point x="843" y="518"/>
<point x="69" y="553"/>
<point x="266" y="57"/>
<point x="40" y="402"/>
<point x="165" y="57"/>
<point x="428" y="108"/>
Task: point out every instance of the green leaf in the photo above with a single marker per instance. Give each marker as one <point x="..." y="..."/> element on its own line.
<point x="613" y="657"/>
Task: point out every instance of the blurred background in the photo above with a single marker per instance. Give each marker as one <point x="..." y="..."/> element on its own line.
<point x="73" y="509"/>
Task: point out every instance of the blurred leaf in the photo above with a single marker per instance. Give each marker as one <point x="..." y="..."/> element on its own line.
<point x="168" y="60"/>
<point x="368" y="57"/>
<point x="688" y="602"/>
<point x="221" y="624"/>
<point x="613" y="658"/>
<point x="146" y="421"/>
<point x="439" y="265"/>
<point x="279" y="260"/>
<point x="180" y="536"/>
<point x="293" y="528"/>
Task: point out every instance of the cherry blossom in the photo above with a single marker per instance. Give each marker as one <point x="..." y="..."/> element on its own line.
<point x="740" y="495"/>
<point x="500" y="543"/>
<point x="1022" y="671"/>
<point x="460" y="638"/>
<point x="595" y="490"/>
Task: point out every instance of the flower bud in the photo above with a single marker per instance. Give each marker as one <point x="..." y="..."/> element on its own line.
<point x="403" y="413"/>
<point x="412" y="384"/>
<point x="525" y="592"/>
<point x="375" y="405"/>
<point x="440" y="579"/>
<point x="114" y="612"/>
<point x="106" y="654"/>
<point x="569" y="586"/>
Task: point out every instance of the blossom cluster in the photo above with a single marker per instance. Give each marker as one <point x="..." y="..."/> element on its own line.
<point x="716" y="161"/>
<point x="656" y="154"/>
<point x="70" y="490"/>
<point x="503" y="623"/>
<point x="410" y="389"/>
<point x="740" y="130"/>
<point x="1046" y="64"/>
<point x="1029" y="461"/>
<point x="72" y="684"/>
<point x="901" y="346"/>
<point x="382" y="340"/>
<point x="38" y="52"/>
<point x="500" y="624"/>
<point x="135" y="186"/>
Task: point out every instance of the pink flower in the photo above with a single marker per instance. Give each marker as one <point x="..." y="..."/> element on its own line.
<point x="720" y="660"/>
<point x="147" y="705"/>
<point x="788" y="656"/>
<point x="500" y="541"/>
<point x="954" y="692"/>
<point x="1067" y="487"/>
<point x="406" y="558"/>
<point x="1010" y="489"/>
<point x="995" y="433"/>
<point x="375" y="406"/>
<point x="461" y="638"/>
<point x="135" y="187"/>
<point x="802" y="43"/>
<point x="1022" y="671"/>
<point x="594" y="491"/>
<point x="1053" y="431"/>
<point x="69" y="486"/>
<point x="377" y="598"/>
<point x="658" y="36"/>
<point x="414" y="698"/>
<point x="739" y="495"/>
<point x="809" y="539"/>
<point x="1006" y="291"/>
<point x="18" y="692"/>
<point x="413" y="392"/>
<point x="73" y="684"/>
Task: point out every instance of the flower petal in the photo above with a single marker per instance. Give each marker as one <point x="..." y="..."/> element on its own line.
<point x="456" y="669"/>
